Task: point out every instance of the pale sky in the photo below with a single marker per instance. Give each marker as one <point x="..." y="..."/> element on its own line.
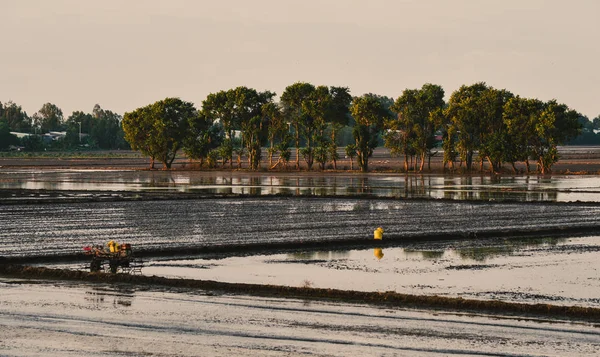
<point x="124" y="54"/>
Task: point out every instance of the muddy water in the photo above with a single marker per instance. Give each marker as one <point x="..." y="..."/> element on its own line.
<point x="59" y="319"/>
<point x="514" y="188"/>
<point x="554" y="271"/>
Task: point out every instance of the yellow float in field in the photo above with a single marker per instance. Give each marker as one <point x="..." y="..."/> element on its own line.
<point x="378" y="233"/>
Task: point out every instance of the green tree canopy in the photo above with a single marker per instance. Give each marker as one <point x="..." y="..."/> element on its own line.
<point x="78" y="122"/>
<point x="159" y="130"/>
<point x="519" y="117"/>
<point x="249" y="105"/>
<point x="241" y="109"/>
<point x="6" y="138"/>
<point x="369" y="113"/>
<point x="15" y="117"/>
<point x="106" y="130"/>
<point x="48" y="118"/>
<point x="203" y="136"/>
<point x="466" y="110"/>
<point x="295" y="101"/>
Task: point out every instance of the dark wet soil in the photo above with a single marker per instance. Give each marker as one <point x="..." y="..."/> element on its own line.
<point x="52" y="232"/>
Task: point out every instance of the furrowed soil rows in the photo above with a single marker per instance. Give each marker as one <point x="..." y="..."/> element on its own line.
<point x="61" y="229"/>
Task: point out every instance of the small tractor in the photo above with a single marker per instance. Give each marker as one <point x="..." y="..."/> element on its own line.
<point x="113" y="258"/>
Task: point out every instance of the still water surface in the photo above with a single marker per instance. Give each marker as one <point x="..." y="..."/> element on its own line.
<point x="544" y="270"/>
<point x="514" y="188"/>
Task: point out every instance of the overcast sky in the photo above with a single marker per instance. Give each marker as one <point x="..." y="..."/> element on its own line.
<point x="126" y="54"/>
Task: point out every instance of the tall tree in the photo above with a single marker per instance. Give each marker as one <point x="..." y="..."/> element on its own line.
<point x="6" y="138"/>
<point x="277" y="128"/>
<point x="519" y="116"/>
<point x="48" y="118"/>
<point x="203" y="136"/>
<point x="15" y="117"/>
<point x="140" y="131"/>
<point x="80" y="122"/>
<point x="220" y="107"/>
<point x="401" y="135"/>
<point x="338" y="116"/>
<point x="317" y="107"/>
<point x="495" y="143"/>
<point x="431" y="99"/>
<point x="466" y="109"/>
<point x="159" y="130"/>
<point x="106" y="129"/>
<point x="412" y="131"/>
<point x="295" y="100"/>
<point x="596" y="122"/>
<point x="248" y="104"/>
<point x="555" y="124"/>
<point x="369" y="112"/>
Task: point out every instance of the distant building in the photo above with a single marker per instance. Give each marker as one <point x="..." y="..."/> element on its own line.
<point x="20" y="135"/>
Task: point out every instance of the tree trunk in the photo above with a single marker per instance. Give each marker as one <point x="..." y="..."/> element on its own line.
<point x="271" y="154"/>
<point x="490" y="163"/>
<point x="469" y="161"/>
<point x="363" y="161"/>
<point x="334" y="144"/>
<point x="170" y="161"/>
<point x="309" y="159"/>
<point x="297" y="147"/>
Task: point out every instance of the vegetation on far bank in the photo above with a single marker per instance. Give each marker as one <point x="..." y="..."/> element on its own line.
<point x="478" y="124"/>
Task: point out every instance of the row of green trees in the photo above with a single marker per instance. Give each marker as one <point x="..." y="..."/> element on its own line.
<point x="101" y="128"/>
<point x="478" y="119"/>
<point x="478" y="122"/>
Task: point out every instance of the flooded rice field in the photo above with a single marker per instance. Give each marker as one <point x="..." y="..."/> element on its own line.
<point x="73" y="319"/>
<point x="517" y="239"/>
<point x="485" y="187"/>
<point x="460" y="249"/>
<point x="559" y="271"/>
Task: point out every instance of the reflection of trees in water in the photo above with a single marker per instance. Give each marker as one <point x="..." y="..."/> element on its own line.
<point x="425" y="254"/>
<point x="255" y="186"/>
<point x="496" y="188"/>
<point x="161" y="179"/>
<point x="115" y="295"/>
<point x="429" y="255"/>
<point x="359" y="185"/>
<point x="413" y="186"/>
<point x="508" y="247"/>
<point x="477" y="253"/>
<point x="320" y="255"/>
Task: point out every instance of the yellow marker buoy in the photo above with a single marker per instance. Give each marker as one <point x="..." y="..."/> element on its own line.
<point x="378" y="233"/>
<point x="378" y="253"/>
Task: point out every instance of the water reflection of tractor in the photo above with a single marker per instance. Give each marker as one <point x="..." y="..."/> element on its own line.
<point x="113" y="258"/>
